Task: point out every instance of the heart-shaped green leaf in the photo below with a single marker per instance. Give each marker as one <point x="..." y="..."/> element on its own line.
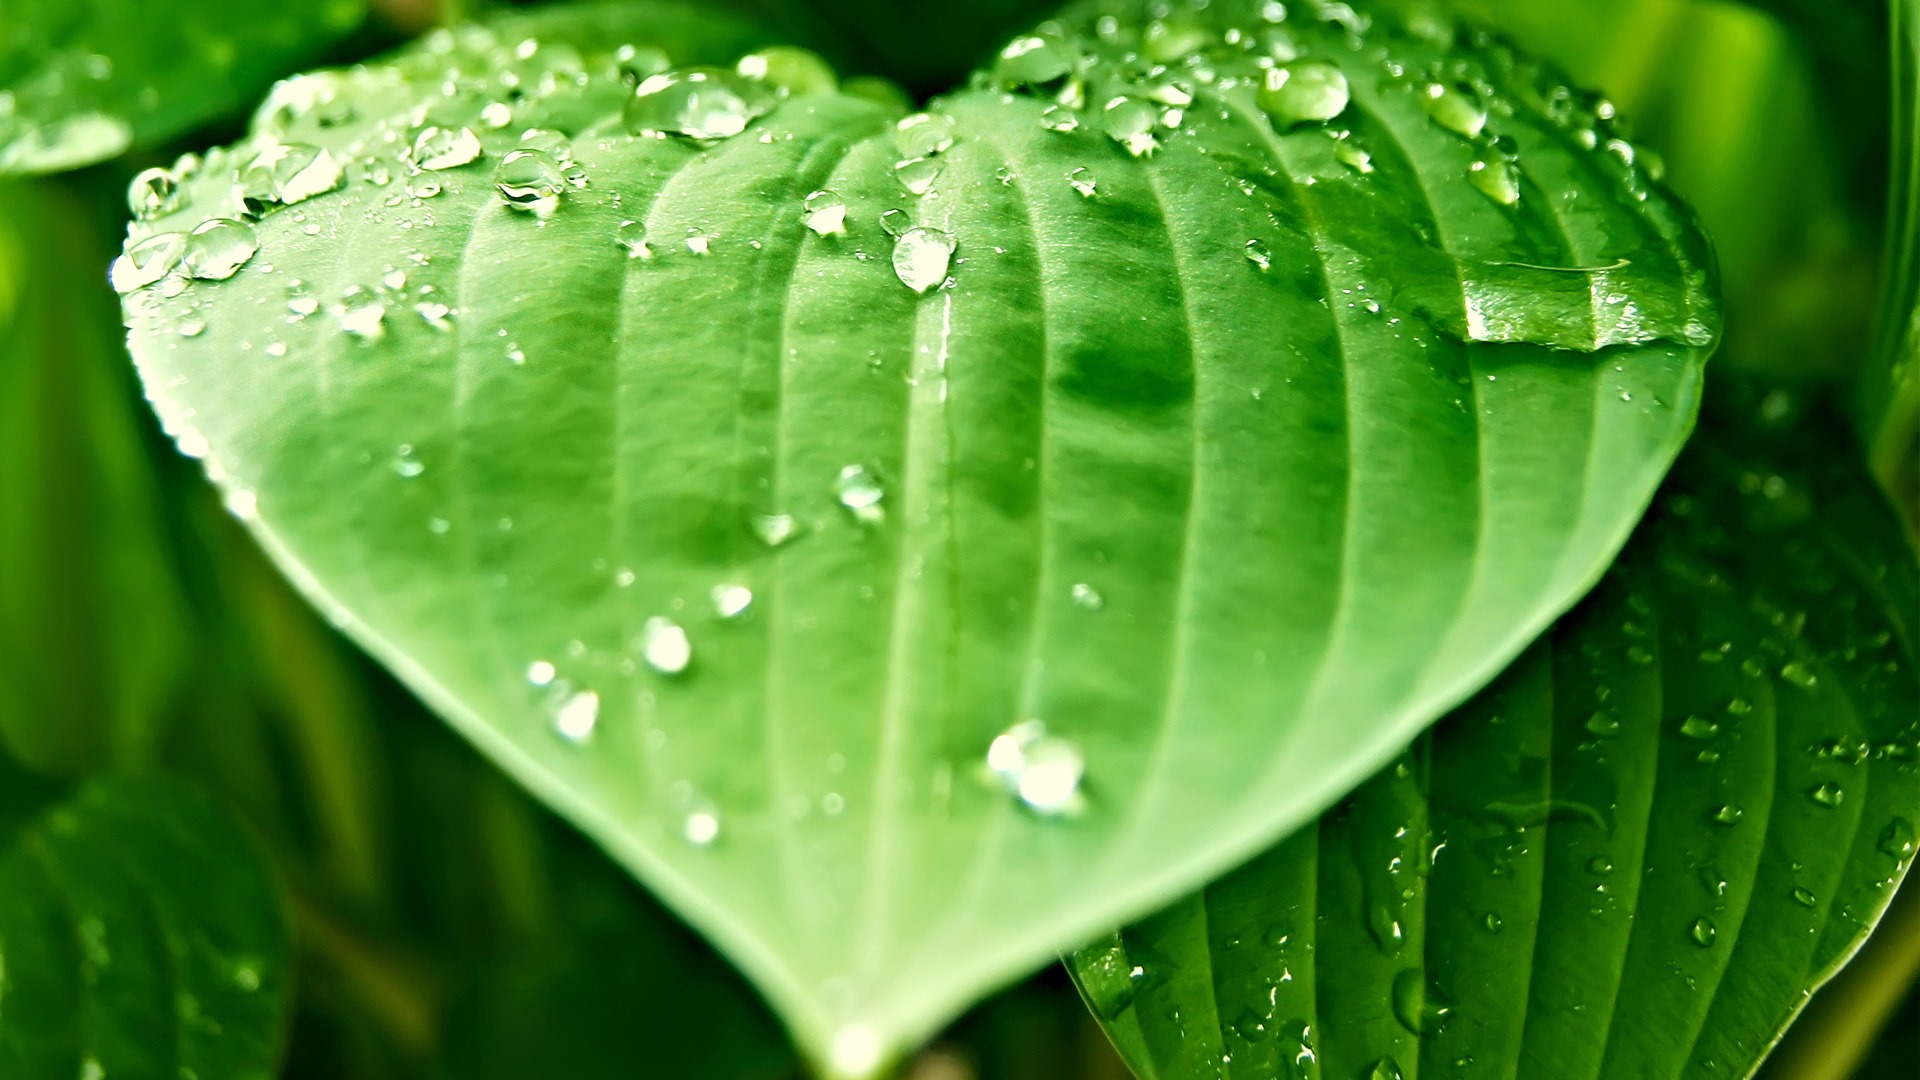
<point x="143" y="935"/>
<point x="914" y="545"/>
<point x="83" y="80"/>
<point x="1634" y="856"/>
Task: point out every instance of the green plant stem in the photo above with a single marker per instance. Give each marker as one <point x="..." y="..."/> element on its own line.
<point x="1838" y="1030"/>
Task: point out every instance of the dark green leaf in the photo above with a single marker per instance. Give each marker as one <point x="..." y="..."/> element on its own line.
<point x="93" y="628"/>
<point x="1634" y="856"/>
<point x="143" y="937"/>
<point x="82" y="80"/>
<point x="1890" y="387"/>
<point x="1234" y="464"/>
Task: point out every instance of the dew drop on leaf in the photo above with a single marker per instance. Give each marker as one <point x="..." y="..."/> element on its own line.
<point x="1086" y="596"/>
<point x="1083" y="182"/>
<point x="1703" y="932"/>
<point x="1699" y="727"/>
<point x="148" y="261"/>
<point x="703" y="104"/>
<point x="922" y="258"/>
<point x="664" y="646"/>
<point x="438" y="148"/>
<point x="1033" y="62"/>
<point x="1805" y="898"/>
<point x="1043" y="771"/>
<point x="895" y="223"/>
<point x="1455" y="108"/>
<point x="632" y="238"/>
<point x="1419" y="1008"/>
<point x="153" y="192"/>
<point x="1728" y="814"/>
<point x="1828" y="794"/>
<point x="917" y="175"/>
<point x="1799" y="675"/>
<point x="775" y="529"/>
<point x="924" y="135"/>
<point x="1386" y="1069"/>
<point x="1130" y="122"/>
<point x="1496" y="177"/>
<point x="731" y="601"/>
<point x="855" y="1051"/>
<point x="860" y="492"/>
<point x="701" y="827"/>
<point x="540" y="673"/>
<point x="826" y="213"/>
<point x="577" y="715"/>
<point x="1259" y="254"/>
<point x="530" y="181"/>
<point x="1303" y="92"/>
<point x="1060" y="119"/>
<point x="789" y="70"/>
<point x="1897" y="840"/>
<point x="217" y="249"/>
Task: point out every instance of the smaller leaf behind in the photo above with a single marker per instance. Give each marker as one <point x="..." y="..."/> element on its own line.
<point x="83" y="80"/>
<point x="143" y="937"/>
<point x="1636" y="855"/>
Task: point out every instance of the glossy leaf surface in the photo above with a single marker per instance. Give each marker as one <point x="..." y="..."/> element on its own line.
<point x="738" y="494"/>
<point x="83" y="80"/>
<point x="143" y="935"/>
<point x="1635" y="855"/>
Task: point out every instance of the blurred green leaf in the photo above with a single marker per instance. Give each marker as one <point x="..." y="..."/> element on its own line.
<point x="143" y="937"/>
<point x="1264" y="432"/>
<point x="1635" y="855"/>
<point x="83" y="80"/>
<point x="1890" y="387"/>
<point x="94" y="631"/>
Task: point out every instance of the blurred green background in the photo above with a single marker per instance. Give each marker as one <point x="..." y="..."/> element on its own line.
<point x="449" y="926"/>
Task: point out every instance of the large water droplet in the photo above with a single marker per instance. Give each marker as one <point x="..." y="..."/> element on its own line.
<point x="1799" y="675"/>
<point x="218" y="249"/>
<point x="922" y="258"/>
<point x="147" y="261"/>
<point x="632" y="237"/>
<point x="1898" y="839"/>
<point x="1455" y="108"/>
<point x="917" y="174"/>
<point x="731" y="601"/>
<point x="1034" y="62"/>
<point x="1303" y="92"/>
<point x="924" y="135"/>
<point x="364" y="319"/>
<point x="1083" y="181"/>
<point x="664" y="646"/>
<point x="775" y="529"/>
<point x="1043" y="771"/>
<point x="1419" y="1007"/>
<point x="531" y="181"/>
<point x="438" y="148"/>
<point x="1497" y="177"/>
<point x="153" y="192"/>
<point x="1131" y="122"/>
<point x="1703" y="932"/>
<point x="789" y="70"/>
<point x="1699" y="727"/>
<point x="701" y="827"/>
<point x="1828" y="794"/>
<point x="1059" y="118"/>
<point x="293" y="173"/>
<point x="705" y="104"/>
<point x="577" y="715"/>
<point x="861" y="493"/>
<point x="1386" y="1069"/>
<point x="540" y="673"/>
<point x="826" y="213"/>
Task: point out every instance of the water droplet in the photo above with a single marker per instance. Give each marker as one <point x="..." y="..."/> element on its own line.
<point x="731" y="601"/>
<point x="1828" y="794"/>
<point x="1353" y="157"/>
<point x="1497" y="178"/>
<point x="860" y="492"/>
<point x="218" y="249"/>
<point x="1493" y="922"/>
<point x="1799" y="675"/>
<point x="1898" y="840"/>
<point x="530" y="181"/>
<point x="1250" y="1025"/>
<point x="664" y="645"/>
<point x="1303" y="92"/>
<point x="924" y="135"/>
<point x="1083" y="182"/>
<point x="704" y="104"/>
<point x="405" y="464"/>
<point x="1600" y="864"/>
<point x="1259" y="254"/>
<point x="148" y="261"/>
<point x="1456" y="108"/>
<point x="792" y="71"/>
<point x="1043" y="771"/>
<point x="292" y="173"/>
<point x="1703" y="932"/>
<point x="152" y="193"/>
<point x="855" y="1052"/>
<point x="1418" y="1006"/>
<point x="496" y="115"/>
<point x="701" y="827"/>
<point x="775" y="529"/>
<point x="366" y="320"/>
<point x="91" y="1069"/>
<point x="922" y="258"/>
<point x="1131" y="122"/>
<point x="1386" y="1069"/>
<point x="438" y="148"/>
<point x="1699" y="727"/>
<point x="1603" y="725"/>
<point x="1088" y="597"/>
<point x="917" y="174"/>
<point x="1805" y="898"/>
<point x="826" y="213"/>
<point x="1034" y="62"/>
<point x="1060" y="119"/>
<point x="1728" y="814"/>
<point x="540" y="673"/>
<point x="577" y="715"/>
<point x="896" y="223"/>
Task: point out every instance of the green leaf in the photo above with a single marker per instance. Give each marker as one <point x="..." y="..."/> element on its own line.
<point x="83" y="80"/>
<point x="1233" y="464"/>
<point x="143" y="936"/>
<point x="93" y="627"/>
<point x="1635" y="855"/>
<point x="1890" y="386"/>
